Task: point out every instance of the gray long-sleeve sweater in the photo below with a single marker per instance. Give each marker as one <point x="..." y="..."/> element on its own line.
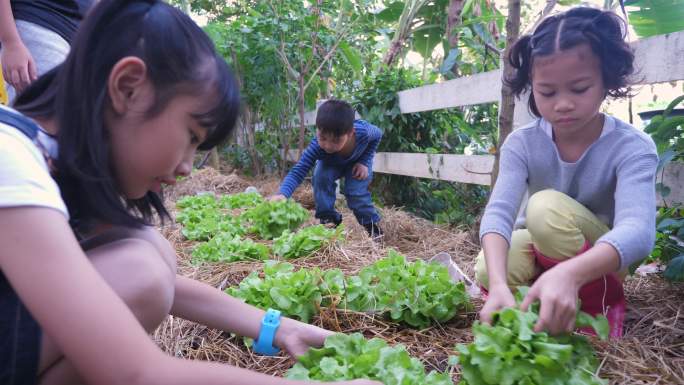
<point x="614" y="178"/>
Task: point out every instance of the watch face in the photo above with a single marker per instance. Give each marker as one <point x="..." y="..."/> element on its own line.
<point x="272" y="317"/>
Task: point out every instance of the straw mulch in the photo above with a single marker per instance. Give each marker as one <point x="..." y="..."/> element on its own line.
<point x="652" y="351"/>
<point x="205" y="180"/>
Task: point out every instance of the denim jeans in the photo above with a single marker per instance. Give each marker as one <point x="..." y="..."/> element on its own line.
<point x="356" y="191"/>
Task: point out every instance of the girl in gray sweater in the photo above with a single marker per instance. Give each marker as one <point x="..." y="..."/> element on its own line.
<point x="590" y="178"/>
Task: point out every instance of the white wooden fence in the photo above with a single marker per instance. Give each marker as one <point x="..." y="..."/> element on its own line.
<point x="658" y="59"/>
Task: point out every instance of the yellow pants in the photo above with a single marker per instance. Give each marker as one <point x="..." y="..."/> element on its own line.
<point x="3" y="90"/>
<point x="557" y="225"/>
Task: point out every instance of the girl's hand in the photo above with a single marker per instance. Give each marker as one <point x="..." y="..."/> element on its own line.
<point x="557" y="291"/>
<point x="500" y="296"/>
<point x="297" y="337"/>
<point x="18" y="67"/>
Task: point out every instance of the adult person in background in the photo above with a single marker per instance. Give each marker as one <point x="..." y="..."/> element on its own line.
<point x="35" y="36"/>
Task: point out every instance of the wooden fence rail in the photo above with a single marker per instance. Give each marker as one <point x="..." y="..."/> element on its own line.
<point x="657" y="59"/>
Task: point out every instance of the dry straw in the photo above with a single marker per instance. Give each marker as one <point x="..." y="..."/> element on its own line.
<point x="652" y="351"/>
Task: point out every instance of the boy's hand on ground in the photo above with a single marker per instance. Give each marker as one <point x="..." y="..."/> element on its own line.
<point x="500" y="296"/>
<point x="360" y="171"/>
<point x="297" y="337"/>
<point x="18" y="67"/>
<point x="557" y="291"/>
<point x="277" y="197"/>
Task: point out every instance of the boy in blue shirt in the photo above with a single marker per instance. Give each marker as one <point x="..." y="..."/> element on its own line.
<point x="343" y="148"/>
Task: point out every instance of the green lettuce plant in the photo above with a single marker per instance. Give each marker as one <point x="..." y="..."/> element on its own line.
<point x="351" y="356"/>
<point x="305" y="241"/>
<point x="510" y="352"/>
<point x="227" y="247"/>
<point x="202" y="218"/>
<point x="270" y="219"/>
<point x="416" y="293"/>
<point x="296" y="294"/>
<point x="240" y="200"/>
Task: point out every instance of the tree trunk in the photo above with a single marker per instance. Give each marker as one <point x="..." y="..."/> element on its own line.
<point x="394" y="51"/>
<point x="507" y="105"/>
<point x="285" y="140"/>
<point x="325" y="92"/>
<point x="251" y="140"/>
<point x="214" y="160"/>
<point x="240" y="135"/>
<point x="302" y="126"/>
<point x="240" y="132"/>
<point x="453" y="22"/>
<point x="493" y="27"/>
<point x="404" y="29"/>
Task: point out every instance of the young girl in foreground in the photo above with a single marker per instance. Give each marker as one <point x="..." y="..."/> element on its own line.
<point x="590" y="176"/>
<point x="140" y="92"/>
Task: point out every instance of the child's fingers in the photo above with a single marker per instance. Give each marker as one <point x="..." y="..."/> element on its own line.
<point x="557" y="324"/>
<point x="33" y="72"/>
<point x="567" y="323"/>
<point x="545" y="317"/>
<point x="486" y="316"/>
<point x="529" y="298"/>
<point x="25" y="78"/>
<point x="14" y="78"/>
<point x="570" y="325"/>
<point x="356" y="172"/>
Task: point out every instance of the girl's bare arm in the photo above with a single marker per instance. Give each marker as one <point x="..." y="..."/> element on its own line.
<point x="496" y="256"/>
<point x="209" y="306"/>
<point x="18" y="66"/>
<point x="87" y="320"/>
<point x="74" y="306"/>
<point x="8" y="30"/>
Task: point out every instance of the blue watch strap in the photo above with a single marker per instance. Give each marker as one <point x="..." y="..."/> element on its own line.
<point x="269" y="326"/>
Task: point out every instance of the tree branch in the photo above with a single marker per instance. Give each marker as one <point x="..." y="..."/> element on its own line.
<point x="550" y="4"/>
<point x="283" y="58"/>
<point x="314" y="38"/>
<point x="327" y="57"/>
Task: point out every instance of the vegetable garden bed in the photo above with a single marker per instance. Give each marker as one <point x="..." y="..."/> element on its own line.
<point x="651" y="352"/>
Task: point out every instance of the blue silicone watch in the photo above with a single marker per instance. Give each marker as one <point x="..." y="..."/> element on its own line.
<point x="269" y="326"/>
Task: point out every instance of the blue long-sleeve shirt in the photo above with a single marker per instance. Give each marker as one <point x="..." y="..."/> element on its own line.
<point x="367" y="139"/>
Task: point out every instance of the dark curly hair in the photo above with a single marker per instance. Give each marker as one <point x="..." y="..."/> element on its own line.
<point x="603" y="31"/>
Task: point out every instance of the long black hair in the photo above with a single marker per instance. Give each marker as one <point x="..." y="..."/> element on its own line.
<point x="180" y="58"/>
<point x="603" y="31"/>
